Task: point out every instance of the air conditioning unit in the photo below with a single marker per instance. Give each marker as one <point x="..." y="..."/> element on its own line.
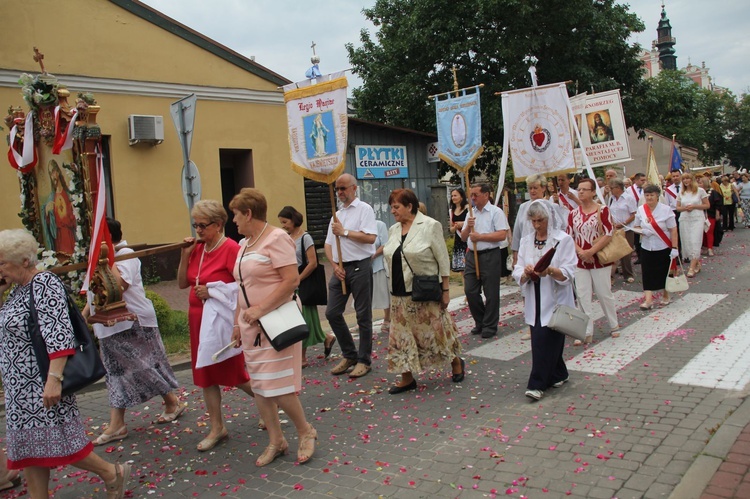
<point x="147" y="129"/>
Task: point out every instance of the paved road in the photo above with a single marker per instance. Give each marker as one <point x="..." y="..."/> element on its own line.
<point x="638" y="412"/>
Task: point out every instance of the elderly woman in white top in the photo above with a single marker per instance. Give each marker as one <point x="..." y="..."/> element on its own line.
<point x="542" y="291"/>
<point x="537" y="186"/>
<point x="658" y="227"/>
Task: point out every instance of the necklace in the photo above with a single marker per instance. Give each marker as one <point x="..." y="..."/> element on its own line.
<point x="539" y="244"/>
<point x="206" y="250"/>
<point x="257" y="238"/>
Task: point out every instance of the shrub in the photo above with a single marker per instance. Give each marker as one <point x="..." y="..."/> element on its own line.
<point x="449" y="243"/>
<point x="173" y="325"/>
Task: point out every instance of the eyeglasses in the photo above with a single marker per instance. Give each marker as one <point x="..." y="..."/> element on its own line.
<point x="342" y="189"/>
<point x="202" y="226"/>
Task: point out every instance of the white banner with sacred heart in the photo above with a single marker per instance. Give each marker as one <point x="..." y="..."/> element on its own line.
<point x="317" y="120"/>
<point x="537" y="130"/>
<point x="459" y="126"/>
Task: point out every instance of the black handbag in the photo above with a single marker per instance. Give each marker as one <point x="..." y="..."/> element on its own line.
<point x="424" y="287"/>
<point x="85" y="366"/>
<point x="313" y="290"/>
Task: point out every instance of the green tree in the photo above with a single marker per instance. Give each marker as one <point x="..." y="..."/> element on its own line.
<point x="738" y="140"/>
<point x="489" y="41"/>
<point x="699" y="118"/>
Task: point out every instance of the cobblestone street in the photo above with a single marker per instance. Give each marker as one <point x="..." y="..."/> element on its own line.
<point x="638" y="412"/>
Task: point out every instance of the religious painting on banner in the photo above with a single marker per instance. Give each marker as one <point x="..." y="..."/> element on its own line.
<point x="603" y="132"/>
<point x="317" y="121"/>
<point x="537" y="130"/>
<point x="459" y="125"/>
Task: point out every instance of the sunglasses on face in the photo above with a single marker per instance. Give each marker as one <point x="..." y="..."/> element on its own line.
<point x="342" y="189"/>
<point x="202" y="226"/>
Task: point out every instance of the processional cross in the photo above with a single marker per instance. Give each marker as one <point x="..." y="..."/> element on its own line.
<point x="39" y="57"/>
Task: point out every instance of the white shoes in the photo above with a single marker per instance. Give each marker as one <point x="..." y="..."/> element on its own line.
<point x="534" y="394"/>
<point x="560" y="383"/>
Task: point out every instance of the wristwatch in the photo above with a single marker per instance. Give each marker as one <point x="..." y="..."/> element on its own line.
<point x="346" y="233"/>
<point x="59" y="377"/>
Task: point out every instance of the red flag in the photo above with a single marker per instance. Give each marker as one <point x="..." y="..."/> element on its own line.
<point x="25" y="159"/>
<point x="63" y="138"/>
<point x="101" y="229"/>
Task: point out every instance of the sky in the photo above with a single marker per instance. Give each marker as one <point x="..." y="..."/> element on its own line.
<point x="279" y="33"/>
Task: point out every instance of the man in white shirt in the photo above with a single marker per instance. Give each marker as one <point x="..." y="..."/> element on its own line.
<point x="670" y="197"/>
<point x="357" y="230"/>
<point x="485" y="230"/>
<point x="566" y="197"/>
<point x="623" y="208"/>
<point x="609" y="176"/>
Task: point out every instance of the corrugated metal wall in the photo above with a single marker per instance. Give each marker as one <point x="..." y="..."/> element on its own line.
<point x="422" y="177"/>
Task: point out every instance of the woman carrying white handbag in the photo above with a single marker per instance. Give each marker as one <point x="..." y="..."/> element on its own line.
<point x="658" y="227"/>
<point x="542" y="291"/>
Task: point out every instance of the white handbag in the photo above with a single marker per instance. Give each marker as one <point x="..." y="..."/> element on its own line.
<point x="678" y="283"/>
<point x="569" y="321"/>
<point x="284" y="326"/>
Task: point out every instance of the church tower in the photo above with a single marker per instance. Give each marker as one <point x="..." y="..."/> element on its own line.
<point x="665" y="42"/>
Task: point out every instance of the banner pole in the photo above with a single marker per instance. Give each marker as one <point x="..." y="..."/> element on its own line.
<point x="338" y="239"/>
<point x="471" y="214"/>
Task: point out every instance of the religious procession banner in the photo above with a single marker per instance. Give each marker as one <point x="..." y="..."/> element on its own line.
<point x="577" y="104"/>
<point x="459" y="126"/>
<point x="317" y="120"/>
<point x="537" y="131"/>
<point x="602" y="125"/>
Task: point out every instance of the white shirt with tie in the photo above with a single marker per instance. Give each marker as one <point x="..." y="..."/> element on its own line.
<point x="671" y="194"/>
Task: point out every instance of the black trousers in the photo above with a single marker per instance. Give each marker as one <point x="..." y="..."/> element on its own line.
<point x="547" y="345"/>
<point x="727" y="217"/>
<point x="486" y="314"/>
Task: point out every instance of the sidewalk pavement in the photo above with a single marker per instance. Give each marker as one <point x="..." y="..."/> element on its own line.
<point x="628" y="435"/>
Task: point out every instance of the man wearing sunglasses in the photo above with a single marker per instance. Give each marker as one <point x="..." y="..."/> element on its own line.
<point x="356" y="230"/>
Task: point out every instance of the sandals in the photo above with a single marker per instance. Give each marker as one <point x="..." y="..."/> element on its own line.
<point x="117" y="489"/>
<point x="12" y="480"/>
<point x="586" y="340"/>
<point x="271" y="453"/>
<point x="105" y="438"/>
<point x="615" y="332"/>
<point x="209" y="443"/>
<point x="261" y="424"/>
<point x="690" y="273"/>
<point x="307" y="445"/>
<point x="646" y="306"/>
<point x="168" y="417"/>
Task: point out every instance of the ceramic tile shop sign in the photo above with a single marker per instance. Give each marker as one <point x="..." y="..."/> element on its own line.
<point x="375" y="162"/>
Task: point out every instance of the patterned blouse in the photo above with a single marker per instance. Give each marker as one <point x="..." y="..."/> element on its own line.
<point x="36" y="436"/>
<point x="585" y="229"/>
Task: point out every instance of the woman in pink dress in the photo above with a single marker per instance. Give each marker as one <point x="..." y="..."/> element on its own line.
<point x="210" y="259"/>
<point x="267" y="273"/>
